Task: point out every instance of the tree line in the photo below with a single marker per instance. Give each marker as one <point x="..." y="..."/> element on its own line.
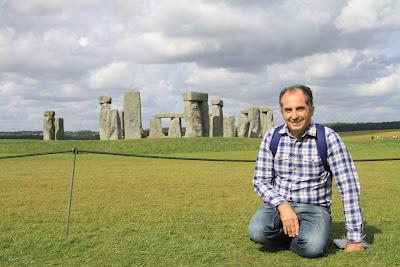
<point x="93" y="135"/>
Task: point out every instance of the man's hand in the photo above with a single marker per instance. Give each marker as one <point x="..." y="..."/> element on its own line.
<point x="350" y="247"/>
<point x="289" y="219"/>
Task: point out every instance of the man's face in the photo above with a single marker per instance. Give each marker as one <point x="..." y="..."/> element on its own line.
<point x="296" y="113"/>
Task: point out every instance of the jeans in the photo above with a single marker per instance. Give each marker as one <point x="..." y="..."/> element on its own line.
<point x="265" y="228"/>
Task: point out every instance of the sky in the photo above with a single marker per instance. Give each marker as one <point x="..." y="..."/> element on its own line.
<point x="61" y="55"/>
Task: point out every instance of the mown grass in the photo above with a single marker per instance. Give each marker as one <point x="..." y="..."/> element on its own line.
<point x="130" y="212"/>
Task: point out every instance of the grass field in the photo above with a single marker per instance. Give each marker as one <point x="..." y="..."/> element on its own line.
<point x="132" y="211"/>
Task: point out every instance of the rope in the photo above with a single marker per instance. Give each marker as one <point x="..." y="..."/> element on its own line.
<point x="77" y="151"/>
<point x="161" y="157"/>
<point x="35" y="154"/>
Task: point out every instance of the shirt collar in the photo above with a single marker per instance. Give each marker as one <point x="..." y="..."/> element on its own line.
<point x="312" y="130"/>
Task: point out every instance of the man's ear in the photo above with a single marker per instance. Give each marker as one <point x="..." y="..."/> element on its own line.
<point x="312" y="109"/>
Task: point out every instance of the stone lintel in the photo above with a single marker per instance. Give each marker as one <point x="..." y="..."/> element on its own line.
<point x="217" y="101"/>
<point x="49" y="113"/>
<point x="195" y="96"/>
<point x="104" y="99"/>
<point x="244" y="111"/>
<point x="169" y="115"/>
<point x="265" y="109"/>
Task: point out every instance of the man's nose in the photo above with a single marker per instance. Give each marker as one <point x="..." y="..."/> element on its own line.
<point x="295" y="115"/>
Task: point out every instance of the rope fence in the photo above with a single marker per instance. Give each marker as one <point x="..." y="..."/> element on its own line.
<point x="76" y="151"/>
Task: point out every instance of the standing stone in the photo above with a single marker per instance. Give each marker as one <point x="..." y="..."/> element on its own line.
<point x="229" y="126"/>
<point x="216" y="118"/>
<point x="196" y="114"/>
<point x="205" y="119"/>
<point x="244" y="123"/>
<point x="121" y="119"/>
<point x="267" y="119"/>
<point x="113" y="125"/>
<point x="175" y="129"/>
<point x="59" y="129"/>
<point x="132" y="115"/>
<point x="255" y="123"/>
<point x="155" y="128"/>
<point x="48" y="125"/>
<point x="105" y="103"/>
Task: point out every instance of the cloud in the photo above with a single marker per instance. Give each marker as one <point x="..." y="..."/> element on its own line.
<point x="369" y="14"/>
<point x="64" y="54"/>
<point x="382" y="86"/>
<point x="113" y="75"/>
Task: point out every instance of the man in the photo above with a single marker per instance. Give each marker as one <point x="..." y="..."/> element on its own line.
<point x="297" y="189"/>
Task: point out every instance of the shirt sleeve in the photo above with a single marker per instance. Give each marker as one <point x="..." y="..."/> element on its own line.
<point x="344" y="171"/>
<point x="262" y="179"/>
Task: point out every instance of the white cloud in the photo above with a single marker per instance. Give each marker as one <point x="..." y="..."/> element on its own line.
<point x="217" y="77"/>
<point x="116" y="74"/>
<point x="369" y="14"/>
<point x="382" y="86"/>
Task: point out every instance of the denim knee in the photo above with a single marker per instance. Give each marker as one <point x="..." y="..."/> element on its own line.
<point x="256" y="232"/>
<point x="311" y="248"/>
<point x="262" y="225"/>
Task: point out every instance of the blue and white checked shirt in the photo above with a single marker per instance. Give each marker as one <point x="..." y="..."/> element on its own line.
<point x="300" y="175"/>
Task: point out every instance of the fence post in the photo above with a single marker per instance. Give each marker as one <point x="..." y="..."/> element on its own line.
<point x="75" y="151"/>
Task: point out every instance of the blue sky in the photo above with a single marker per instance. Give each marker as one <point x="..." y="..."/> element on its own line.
<point x="62" y="55"/>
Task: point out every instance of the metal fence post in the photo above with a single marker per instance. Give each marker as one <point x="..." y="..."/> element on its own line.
<point x="75" y="151"/>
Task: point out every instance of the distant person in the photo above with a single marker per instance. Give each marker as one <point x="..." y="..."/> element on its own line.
<point x="372" y="137"/>
<point x="296" y="186"/>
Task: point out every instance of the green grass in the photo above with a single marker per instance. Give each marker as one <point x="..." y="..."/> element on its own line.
<point x="130" y="211"/>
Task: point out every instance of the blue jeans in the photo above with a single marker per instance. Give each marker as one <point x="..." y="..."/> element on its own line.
<point x="265" y="228"/>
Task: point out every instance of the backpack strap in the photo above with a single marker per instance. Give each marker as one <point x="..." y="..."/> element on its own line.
<point x="273" y="146"/>
<point x="322" y="147"/>
<point x="276" y="137"/>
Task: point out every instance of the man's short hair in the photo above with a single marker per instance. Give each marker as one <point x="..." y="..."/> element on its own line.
<point x="305" y="89"/>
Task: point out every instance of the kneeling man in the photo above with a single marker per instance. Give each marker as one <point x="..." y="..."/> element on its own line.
<point x="293" y="175"/>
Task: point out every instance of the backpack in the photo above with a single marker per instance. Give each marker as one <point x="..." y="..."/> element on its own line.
<point x="321" y="145"/>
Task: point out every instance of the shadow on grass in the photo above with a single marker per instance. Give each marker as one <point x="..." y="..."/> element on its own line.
<point x="338" y="231"/>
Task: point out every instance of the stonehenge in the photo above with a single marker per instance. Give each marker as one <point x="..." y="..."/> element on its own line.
<point x="59" y="129"/>
<point x="216" y="118"/>
<point x="244" y="124"/>
<point x="155" y="128"/>
<point x="53" y="128"/>
<point x="199" y="121"/>
<point x="110" y="120"/>
<point x="267" y="119"/>
<point x="229" y="127"/>
<point x="175" y="129"/>
<point x="48" y="125"/>
<point x="113" y="125"/>
<point x="255" y="124"/>
<point x="132" y="115"/>
<point x="196" y="114"/>
<point x="105" y="107"/>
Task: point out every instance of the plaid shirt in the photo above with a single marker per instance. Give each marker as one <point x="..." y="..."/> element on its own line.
<point x="300" y="175"/>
